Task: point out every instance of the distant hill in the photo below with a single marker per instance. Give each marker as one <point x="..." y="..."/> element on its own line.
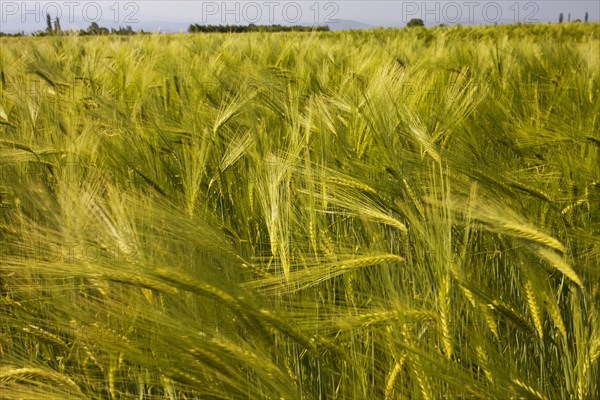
<point x="347" y="24"/>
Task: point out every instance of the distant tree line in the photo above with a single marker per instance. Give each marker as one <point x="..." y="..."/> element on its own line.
<point x="53" y="28"/>
<point x="93" y="30"/>
<point x="18" y="34"/>
<point x="196" y="28"/>
<point x="561" y="18"/>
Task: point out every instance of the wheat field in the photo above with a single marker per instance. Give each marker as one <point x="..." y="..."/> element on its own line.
<point x="385" y="214"/>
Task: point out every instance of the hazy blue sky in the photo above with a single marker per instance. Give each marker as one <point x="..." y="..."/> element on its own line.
<point x="174" y="15"/>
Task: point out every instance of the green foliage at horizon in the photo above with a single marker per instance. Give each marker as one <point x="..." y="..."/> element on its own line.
<point x="198" y="28"/>
<point x="355" y="215"/>
<point x="415" y="22"/>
